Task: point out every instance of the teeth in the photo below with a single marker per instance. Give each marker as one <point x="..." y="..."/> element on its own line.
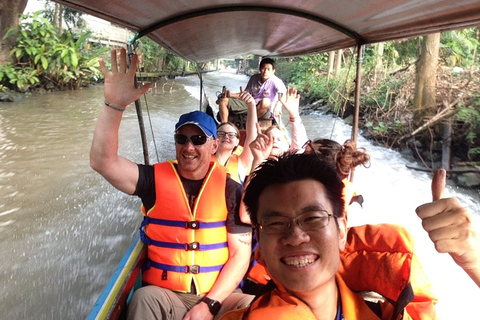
<point x="299" y="263"/>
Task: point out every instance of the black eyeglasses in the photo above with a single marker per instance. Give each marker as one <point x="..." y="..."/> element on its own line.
<point x="197" y="139"/>
<point x="308" y="221"/>
<point x="222" y="134"/>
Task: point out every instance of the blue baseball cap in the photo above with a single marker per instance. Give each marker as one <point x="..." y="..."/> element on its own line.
<point x="201" y="120"/>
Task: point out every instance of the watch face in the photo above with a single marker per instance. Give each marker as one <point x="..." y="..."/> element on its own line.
<point x="213" y="305"/>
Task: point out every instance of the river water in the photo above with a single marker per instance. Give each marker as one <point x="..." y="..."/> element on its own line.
<point x="63" y="229"/>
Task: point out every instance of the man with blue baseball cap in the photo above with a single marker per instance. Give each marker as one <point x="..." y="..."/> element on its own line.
<point x="198" y="251"/>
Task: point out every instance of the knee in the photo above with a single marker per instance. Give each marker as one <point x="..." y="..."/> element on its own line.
<point x="266" y="103"/>
<point x="144" y="296"/>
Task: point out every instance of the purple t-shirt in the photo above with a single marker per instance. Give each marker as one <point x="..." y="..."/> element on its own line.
<point x="269" y="89"/>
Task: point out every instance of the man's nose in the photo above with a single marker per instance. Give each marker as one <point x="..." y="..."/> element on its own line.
<point x="295" y="235"/>
<point x="189" y="145"/>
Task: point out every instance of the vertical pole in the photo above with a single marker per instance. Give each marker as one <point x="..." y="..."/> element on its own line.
<point x="201" y="86"/>
<point x="358" y="85"/>
<point x="447" y="143"/>
<point x="138" y="108"/>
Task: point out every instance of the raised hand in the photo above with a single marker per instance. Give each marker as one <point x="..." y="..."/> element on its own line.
<point x="292" y="102"/>
<point x="119" y="88"/>
<point x="451" y="228"/>
<point x="261" y="147"/>
<point x="247" y="97"/>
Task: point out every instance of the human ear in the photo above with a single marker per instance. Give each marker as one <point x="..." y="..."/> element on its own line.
<point x="342" y="233"/>
<point x="214" y="146"/>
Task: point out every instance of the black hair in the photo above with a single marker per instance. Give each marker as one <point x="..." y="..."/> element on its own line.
<point x="269" y="61"/>
<point x="289" y="168"/>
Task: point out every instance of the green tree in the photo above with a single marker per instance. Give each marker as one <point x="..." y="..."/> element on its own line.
<point x="10" y="11"/>
<point x="47" y="59"/>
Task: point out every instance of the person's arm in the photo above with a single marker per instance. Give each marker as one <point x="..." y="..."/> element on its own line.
<point x="239" y="247"/>
<point x="277" y="109"/>
<point x="451" y="228"/>
<point x="292" y="105"/>
<point x="119" y="91"/>
<point x="261" y="148"/>
<point x="246" y="157"/>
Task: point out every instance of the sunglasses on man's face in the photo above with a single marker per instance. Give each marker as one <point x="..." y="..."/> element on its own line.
<point x="197" y="139"/>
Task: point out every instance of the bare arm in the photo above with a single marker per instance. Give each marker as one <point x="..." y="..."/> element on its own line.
<point x="451" y="228"/>
<point x="299" y="133"/>
<point x="246" y="157"/>
<point x="239" y="247"/>
<point x="119" y="92"/>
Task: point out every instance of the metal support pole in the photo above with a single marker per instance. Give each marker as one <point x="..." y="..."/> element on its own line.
<point x="138" y="108"/>
<point x="358" y="85"/>
<point x="201" y="86"/>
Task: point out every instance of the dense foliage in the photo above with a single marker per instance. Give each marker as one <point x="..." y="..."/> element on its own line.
<point x="388" y="84"/>
<point x="45" y="59"/>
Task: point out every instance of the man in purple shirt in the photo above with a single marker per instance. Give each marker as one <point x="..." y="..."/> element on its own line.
<point x="265" y="87"/>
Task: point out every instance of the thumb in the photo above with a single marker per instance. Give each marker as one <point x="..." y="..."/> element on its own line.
<point x="438" y="184"/>
<point x="241" y="89"/>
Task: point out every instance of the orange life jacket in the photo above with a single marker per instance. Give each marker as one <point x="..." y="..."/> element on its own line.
<point x="186" y="246"/>
<point x="380" y="258"/>
<point x="232" y="168"/>
<point x="279" y="304"/>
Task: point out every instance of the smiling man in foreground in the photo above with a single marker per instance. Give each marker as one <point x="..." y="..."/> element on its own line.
<point x="296" y="206"/>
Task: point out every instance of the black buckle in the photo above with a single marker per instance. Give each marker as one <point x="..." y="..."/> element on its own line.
<point x="193" y="269"/>
<point x="193" y="225"/>
<point x="193" y="246"/>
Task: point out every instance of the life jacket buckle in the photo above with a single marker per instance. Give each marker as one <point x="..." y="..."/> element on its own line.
<point x="193" y="225"/>
<point x="194" y="269"/>
<point x="192" y="246"/>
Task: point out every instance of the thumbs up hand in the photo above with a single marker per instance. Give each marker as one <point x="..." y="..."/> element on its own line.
<point x="451" y="228"/>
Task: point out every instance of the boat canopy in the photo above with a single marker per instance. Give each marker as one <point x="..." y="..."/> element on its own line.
<point x="205" y="30"/>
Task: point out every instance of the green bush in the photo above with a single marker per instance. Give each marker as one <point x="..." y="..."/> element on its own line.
<point x="45" y="59"/>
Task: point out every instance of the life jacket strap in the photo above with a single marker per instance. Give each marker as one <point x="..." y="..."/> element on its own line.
<point x="193" y="269"/>
<point x="193" y="246"/>
<point x="184" y="224"/>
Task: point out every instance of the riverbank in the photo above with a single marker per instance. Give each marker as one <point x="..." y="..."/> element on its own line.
<point x="391" y="125"/>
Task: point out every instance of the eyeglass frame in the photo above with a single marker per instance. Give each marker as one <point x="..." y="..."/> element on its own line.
<point x="222" y="134"/>
<point x="260" y="226"/>
<point x="189" y="138"/>
<point x="309" y="144"/>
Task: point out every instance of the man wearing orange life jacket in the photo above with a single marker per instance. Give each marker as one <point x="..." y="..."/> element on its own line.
<point x="296" y="205"/>
<point x="197" y="252"/>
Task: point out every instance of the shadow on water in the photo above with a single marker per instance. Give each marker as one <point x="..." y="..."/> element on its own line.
<point x="63" y="228"/>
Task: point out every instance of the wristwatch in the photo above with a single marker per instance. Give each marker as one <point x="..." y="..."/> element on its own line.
<point x="213" y="305"/>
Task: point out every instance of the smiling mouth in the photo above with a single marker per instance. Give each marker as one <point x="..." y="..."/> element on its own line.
<point x="300" y="261"/>
<point x="189" y="157"/>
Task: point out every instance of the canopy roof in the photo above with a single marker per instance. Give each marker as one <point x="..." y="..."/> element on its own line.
<point x="203" y="30"/>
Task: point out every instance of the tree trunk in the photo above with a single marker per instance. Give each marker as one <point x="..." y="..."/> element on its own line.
<point x="10" y="11"/>
<point x="338" y="62"/>
<point x="379" y="68"/>
<point x="331" y="61"/>
<point x="425" y="81"/>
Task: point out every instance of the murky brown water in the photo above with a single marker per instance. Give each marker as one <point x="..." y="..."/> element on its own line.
<point x="63" y="229"/>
